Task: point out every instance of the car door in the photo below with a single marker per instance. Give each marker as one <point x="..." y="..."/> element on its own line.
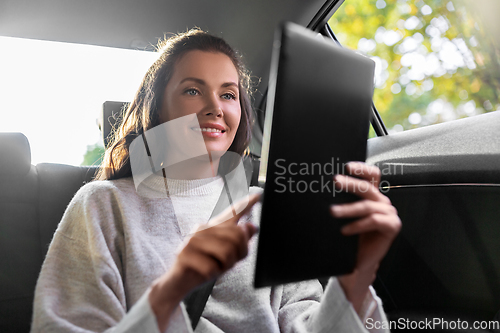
<point x="444" y="179"/>
<point x="445" y="182"/>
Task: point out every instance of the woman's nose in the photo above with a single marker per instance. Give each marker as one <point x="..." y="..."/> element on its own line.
<point x="213" y="107"/>
<point x="214" y="111"/>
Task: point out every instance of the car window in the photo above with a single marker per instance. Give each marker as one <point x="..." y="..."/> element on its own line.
<point x="434" y="60"/>
<point x="53" y="93"/>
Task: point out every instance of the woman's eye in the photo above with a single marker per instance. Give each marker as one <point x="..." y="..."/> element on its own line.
<point x="229" y="96"/>
<point x="192" y="92"/>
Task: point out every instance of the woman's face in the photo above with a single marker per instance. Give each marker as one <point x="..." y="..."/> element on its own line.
<point x="205" y="84"/>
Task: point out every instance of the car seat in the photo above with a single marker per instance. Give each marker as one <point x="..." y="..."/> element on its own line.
<point x="32" y="202"/>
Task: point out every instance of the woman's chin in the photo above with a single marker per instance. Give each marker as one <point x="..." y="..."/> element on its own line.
<point x="216" y="154"/>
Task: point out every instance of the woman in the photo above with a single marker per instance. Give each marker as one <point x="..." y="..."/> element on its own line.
<point x="123" y="261"/>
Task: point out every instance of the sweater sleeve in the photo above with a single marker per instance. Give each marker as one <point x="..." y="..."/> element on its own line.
<point x="80" y="287"/>
<point x="302" y="313"/>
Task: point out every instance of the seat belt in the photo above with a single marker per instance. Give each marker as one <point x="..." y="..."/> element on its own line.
<point x="195" y="302"/>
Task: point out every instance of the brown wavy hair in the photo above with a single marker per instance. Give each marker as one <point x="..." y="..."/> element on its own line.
<point x="142" y="113"/>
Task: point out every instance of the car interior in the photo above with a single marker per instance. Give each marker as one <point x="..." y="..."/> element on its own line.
<point x="444" y="179"/>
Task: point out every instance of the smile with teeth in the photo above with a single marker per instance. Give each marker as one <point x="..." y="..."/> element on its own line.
<point x="207" y="129"/>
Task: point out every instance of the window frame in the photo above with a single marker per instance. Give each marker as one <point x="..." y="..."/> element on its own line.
<point x="376" y="120"/>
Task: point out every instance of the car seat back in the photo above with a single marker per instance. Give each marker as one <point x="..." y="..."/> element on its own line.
<point x="32" y="202"/>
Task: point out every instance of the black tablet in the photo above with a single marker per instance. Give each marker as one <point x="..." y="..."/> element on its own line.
<point x="317" y="119"/>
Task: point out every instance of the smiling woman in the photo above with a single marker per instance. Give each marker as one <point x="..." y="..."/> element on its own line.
<point x="58" y="115"/>
<point x="124" y="259"/>
<point x="191" y="85"/>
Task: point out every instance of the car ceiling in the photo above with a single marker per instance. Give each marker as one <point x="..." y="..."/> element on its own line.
<point x="246" y="25"/>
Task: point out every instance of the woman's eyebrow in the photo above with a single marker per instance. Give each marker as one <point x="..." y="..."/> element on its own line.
<point x="228" y="84"/>
<point x="200" y="81"/>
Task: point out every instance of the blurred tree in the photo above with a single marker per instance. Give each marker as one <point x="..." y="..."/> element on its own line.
<point x="94" y="155"/>
<point x="434" y="60"/>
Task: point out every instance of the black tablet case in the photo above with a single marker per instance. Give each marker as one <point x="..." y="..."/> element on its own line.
<point x="318" y="112"/>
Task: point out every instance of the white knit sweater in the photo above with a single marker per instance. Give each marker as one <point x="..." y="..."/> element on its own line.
<point x="113" y="243"/>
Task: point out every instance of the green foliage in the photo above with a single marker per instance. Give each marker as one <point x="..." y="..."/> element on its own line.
<point x="435" y="62"/>
<point x="94" y="155"/>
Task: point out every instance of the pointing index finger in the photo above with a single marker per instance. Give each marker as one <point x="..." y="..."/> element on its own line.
<point x="242" y="206"/>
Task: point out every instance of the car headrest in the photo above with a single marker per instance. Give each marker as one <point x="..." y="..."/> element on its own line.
<point x="111" y="111"/>
<point x="15" y="154"/>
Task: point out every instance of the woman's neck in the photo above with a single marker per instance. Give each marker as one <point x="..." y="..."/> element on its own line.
<point x="200" y="167"/>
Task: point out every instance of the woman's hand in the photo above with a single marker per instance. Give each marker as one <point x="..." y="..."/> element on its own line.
<point x="209" y="252"/>
<point x="377" y="224"/>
